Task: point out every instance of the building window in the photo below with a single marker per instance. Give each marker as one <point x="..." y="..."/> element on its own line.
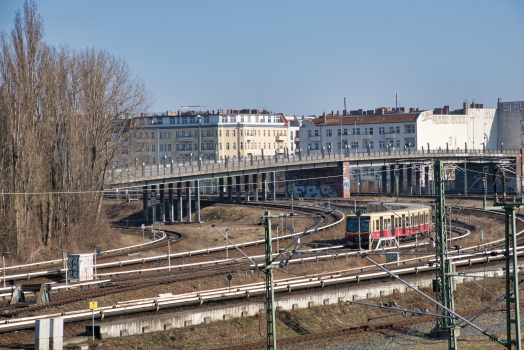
<point x="397" y="129"/>
<point x="309" y="133"/>
<point x="328" y="133"/>
<point x="345" y="132"/>
<point x="391" y="130"/>
<point x="227" y="145"/>
<point x="241" y="145"/>
<point x="221" y="146"/>
<point x="189" y="133"/>
<point x="177" y="147"/>
<point x="208" y="145"/>
<point x="371" y="131"/>
<point x="370" y="144"/>
<point x="410" y="129"/>
<point x="382" y="144"/>
<point x="152" y="135"/>
<point x="354" y="144"/>
<point x="227" y="133"/>
<point x="264" y="132"/>
<point x="153" y="148"/>
<point x="381" y="130"/>
<point x="339" y="132"/>
<point x="177" y="134"/>
<point x="258" y="132"/>
<point x="234" y="145"/>
<point x="339" y="145"/>
<point x="316" y="132"/>
<point x="208" y="132"/>
<point x="206" y="120"/>
<point x="397" y="144"/>
<point x="234" y="133"/>
<point x="201" y="145"/>
<point x="196" y="146"/>
<point x="172" y="120"/>
<point x="184" y="120"/>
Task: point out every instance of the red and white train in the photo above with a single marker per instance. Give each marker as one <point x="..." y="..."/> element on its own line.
<point x="379" y="225"/>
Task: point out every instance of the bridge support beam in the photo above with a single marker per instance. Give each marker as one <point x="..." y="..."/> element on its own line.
<point x="238" y="188"/>
<point x="229" y="189"/>
<point x="426" y="180"/>
<point x="255" y="187"/>
<point x="188" y="200"/>
<point x="264" y="186"/>
<point x="392" y="179"/>
<point x="170" y="213"/>
<point x="384" y="177"/>
<point x="221" y="188"/>
<point x="153" y="203"/>
<point x="272" y="188"/>
<point x="247" y="187"/>
<point x="401" y="169"/>
<point x="417" y="181"/>
<point x="180" y="202"/>
<point x="197" y="201"/>
<point x="144" y="203"/>
<point x="410" y="179"/>
<point x="162" y="211"/>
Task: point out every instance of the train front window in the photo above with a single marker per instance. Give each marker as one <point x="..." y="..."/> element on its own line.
<point x="352" y="224"/>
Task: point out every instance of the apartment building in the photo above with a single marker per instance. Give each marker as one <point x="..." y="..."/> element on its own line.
<point x="235" y="134"/>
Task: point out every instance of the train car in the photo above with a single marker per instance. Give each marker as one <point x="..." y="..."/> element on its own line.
<point x="379" y="226"/>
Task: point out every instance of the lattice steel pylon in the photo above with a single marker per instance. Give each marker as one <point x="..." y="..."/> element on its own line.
<point x="510" y="257"/>
<point x="270" y="295"/>
<point x="445" y="327"/>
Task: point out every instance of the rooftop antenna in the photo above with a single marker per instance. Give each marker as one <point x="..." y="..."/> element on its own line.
<point x="396" y="102"/>
<point x="345" y="108"/>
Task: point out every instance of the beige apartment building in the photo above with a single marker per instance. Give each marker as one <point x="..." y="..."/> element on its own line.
<point x="188" y="135"/>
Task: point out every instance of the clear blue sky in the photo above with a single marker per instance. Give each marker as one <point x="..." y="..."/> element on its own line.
<point x="302" y="57"/>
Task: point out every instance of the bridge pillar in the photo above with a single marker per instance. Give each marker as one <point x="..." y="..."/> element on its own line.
<point x="384" y="177"/>
<point x="162" y="203"/>
<point x="401" y="168"/>
<point x="392" y="179"/>
<point x="230" y="189"/>
<point x="170" y="206"/>
<point x="417" y="181"/>
<point x="153" y="200"/>
<point x="410" y="179"/>
<point x="264" y="186"/>
<point x="426" y="180"/>
<point x="221" y="188"/>
<point x="247" y="187"/>
<point x="188" y="200"/>
<point x="180" y="202"/>
<point x="144" y="203"/>
<point x="255" y="187"/>
<point x="238" y="188"/>
<point x="272" y="188"/>
<point x="197" y="201"/>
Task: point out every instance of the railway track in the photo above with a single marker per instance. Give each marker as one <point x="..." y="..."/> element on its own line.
<point x="344" y="331"/>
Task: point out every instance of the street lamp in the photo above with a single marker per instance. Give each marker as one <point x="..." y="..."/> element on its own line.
<point x="359" y="240"/>
<point x="64" y="255"/>
<point x="3" y="264"/>
<point x="94" y="254"/>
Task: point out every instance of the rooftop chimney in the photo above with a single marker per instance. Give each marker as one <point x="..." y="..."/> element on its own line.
<point x="324" y="117"/>
<point x="465" y="108"/>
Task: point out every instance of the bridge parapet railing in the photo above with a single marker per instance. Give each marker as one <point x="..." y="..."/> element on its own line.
<point x="191" y="166"/>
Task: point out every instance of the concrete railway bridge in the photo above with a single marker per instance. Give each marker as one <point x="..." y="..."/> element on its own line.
<point x="317" y="175"/>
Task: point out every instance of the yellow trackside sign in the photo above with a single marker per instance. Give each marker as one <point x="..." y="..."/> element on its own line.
<point x="93" y="305"/>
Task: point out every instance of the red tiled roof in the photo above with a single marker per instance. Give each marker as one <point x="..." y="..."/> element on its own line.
<point x="372" y="119"/>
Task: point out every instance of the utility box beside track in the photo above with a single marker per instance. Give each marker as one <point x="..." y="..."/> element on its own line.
<point x="80" y="266"/>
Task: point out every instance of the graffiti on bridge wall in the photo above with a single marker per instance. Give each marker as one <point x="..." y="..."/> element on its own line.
<point x="316" y="183"/>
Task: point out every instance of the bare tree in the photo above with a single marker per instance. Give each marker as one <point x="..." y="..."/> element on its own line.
<point x="63" y="120"/>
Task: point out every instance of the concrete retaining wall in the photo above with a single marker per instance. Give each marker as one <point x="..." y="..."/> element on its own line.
<point x="195" y="317"/>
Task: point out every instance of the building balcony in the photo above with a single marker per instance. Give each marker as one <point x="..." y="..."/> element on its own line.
<point x="208" y="138"/>
<point x="281" y="138"/>
<point x="185" y="151"/>
<point x="185" y="139"/>
<point x="314" y="139"/>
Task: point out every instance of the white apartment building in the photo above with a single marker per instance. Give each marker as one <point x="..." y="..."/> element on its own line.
<point x="382" y="130"/>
